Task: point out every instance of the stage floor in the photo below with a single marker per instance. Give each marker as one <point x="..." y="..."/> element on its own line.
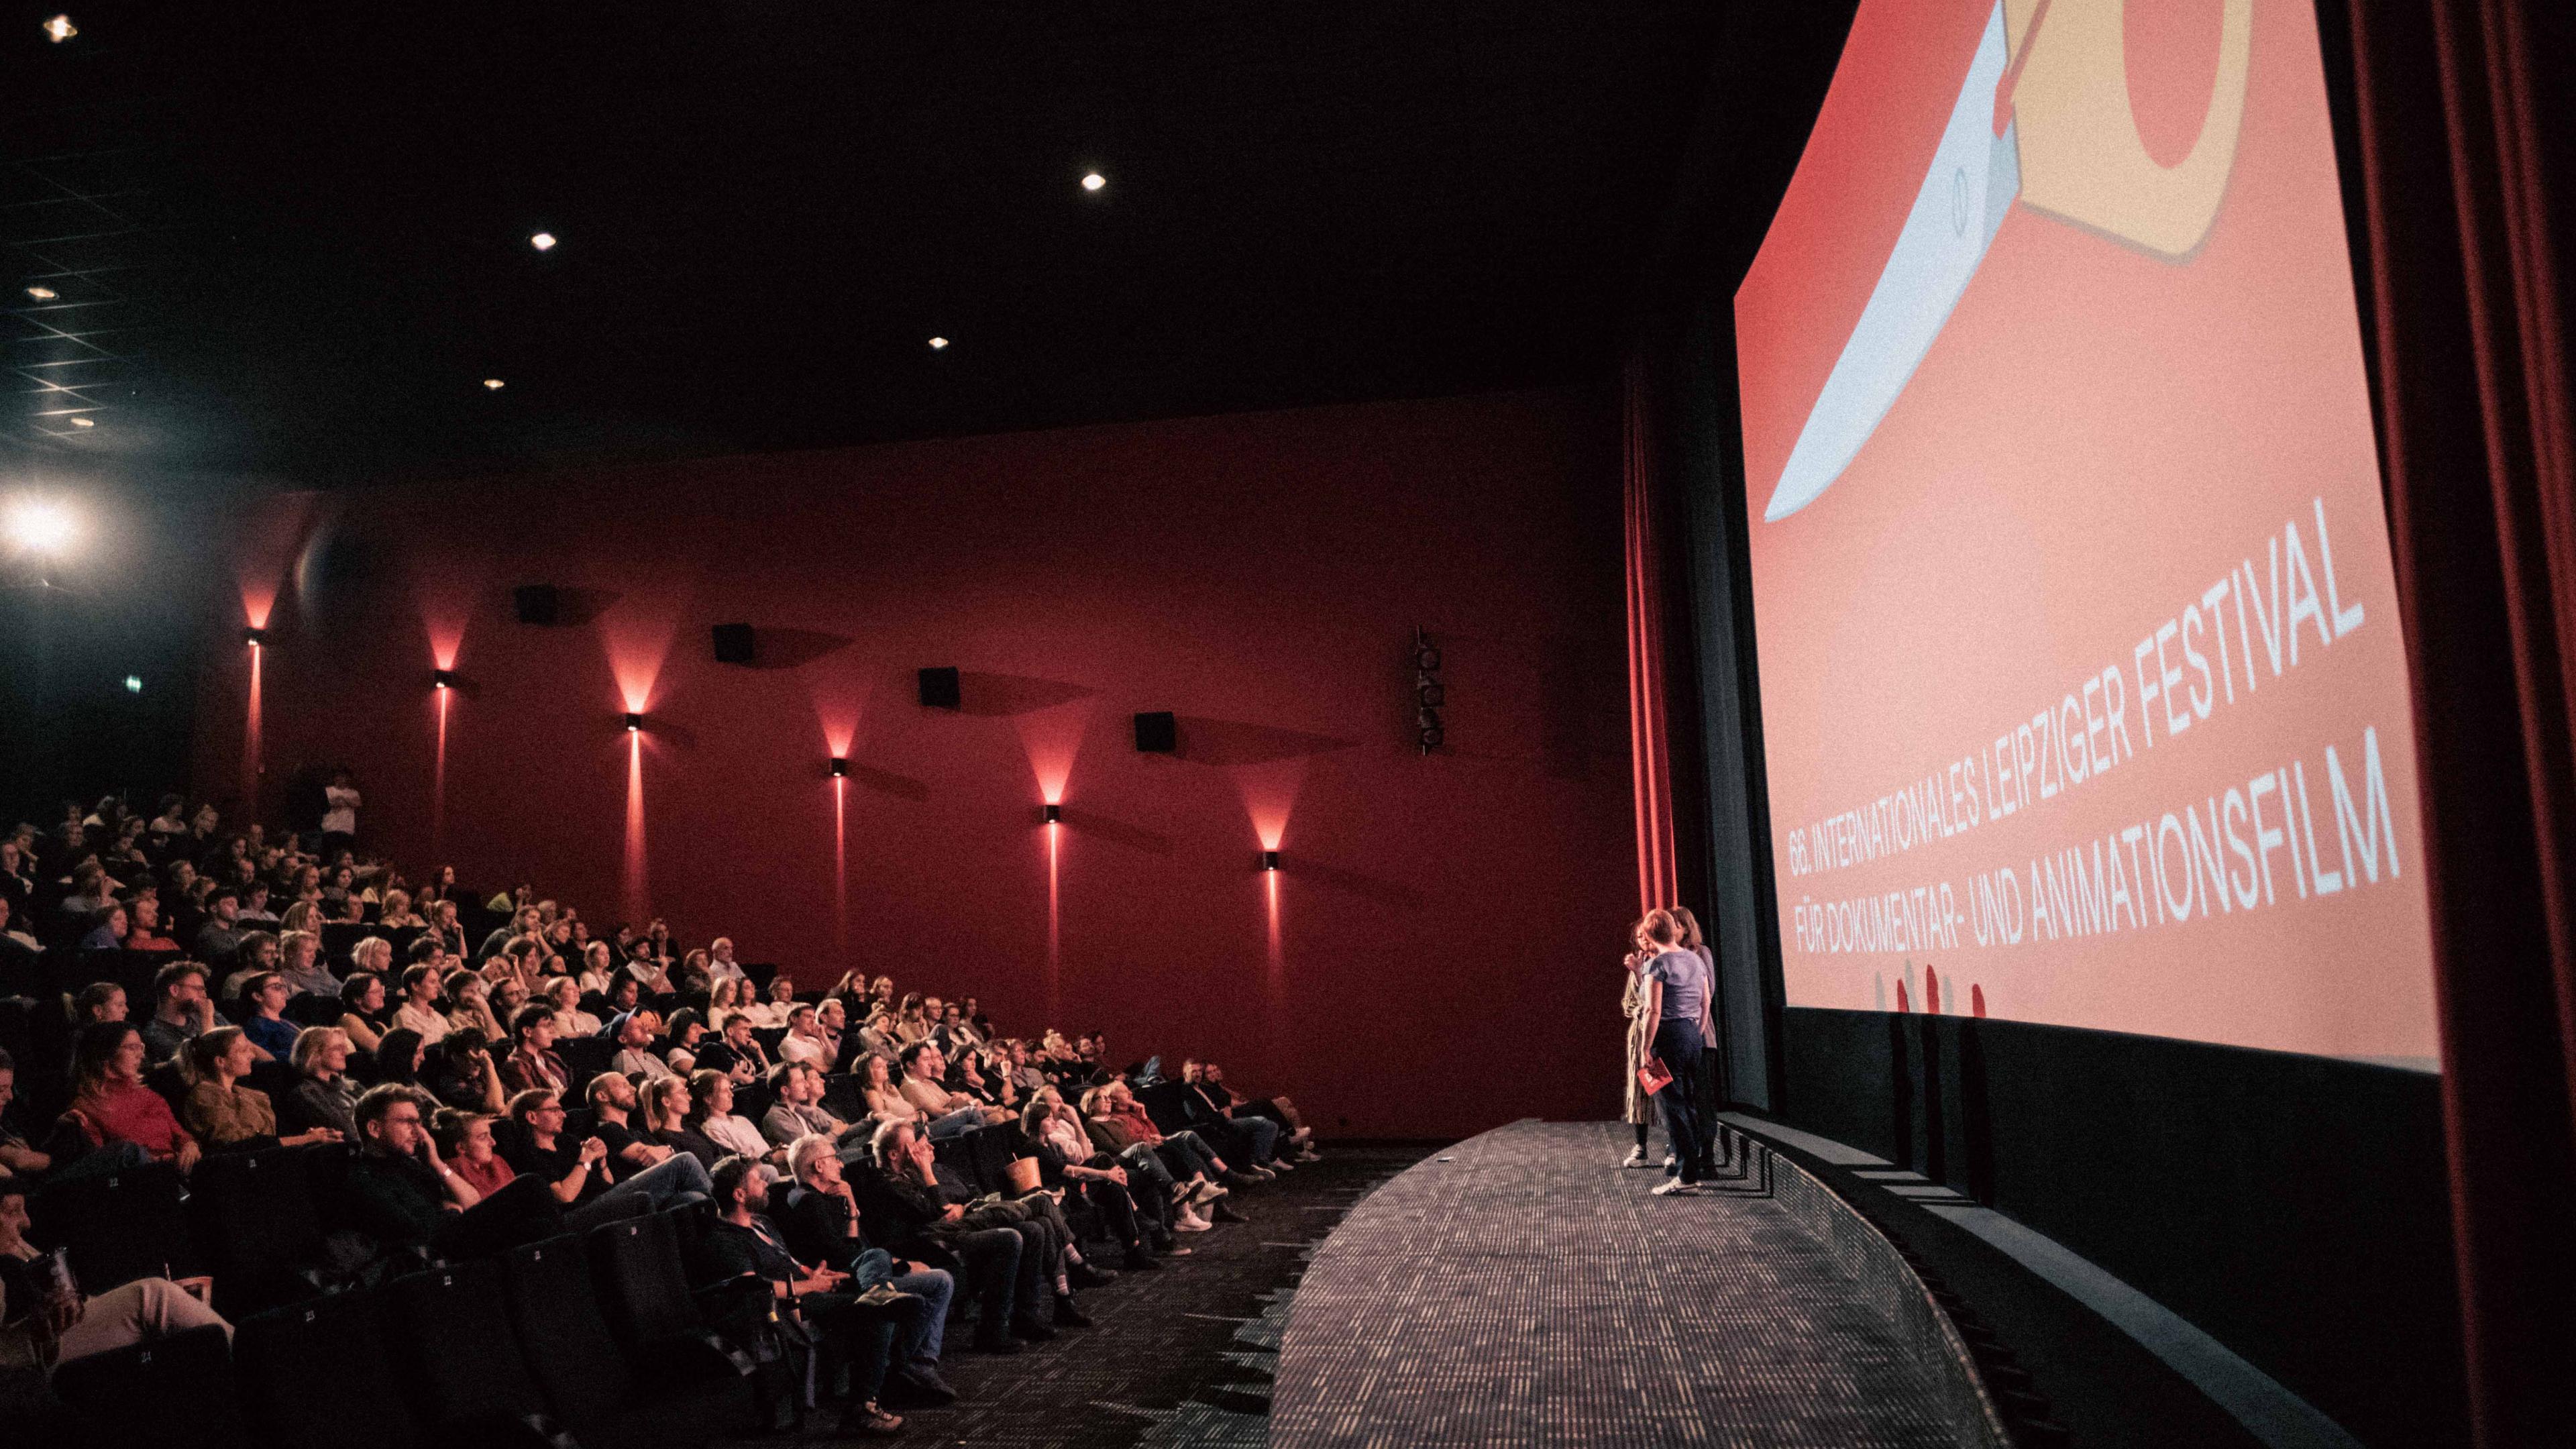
<point x="1521" y="1290"/>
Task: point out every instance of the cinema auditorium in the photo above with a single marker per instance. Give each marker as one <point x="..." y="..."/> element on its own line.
<point x="1567" y="724"/>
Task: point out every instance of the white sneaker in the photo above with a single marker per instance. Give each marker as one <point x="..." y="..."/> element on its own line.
<point x="1636" y="1158"/>
<point x="1280" y="1164"/>
<point x="1190" y="1222"/>
<point x="1207" y="1192"/>
<point x="1675" y="1187"/>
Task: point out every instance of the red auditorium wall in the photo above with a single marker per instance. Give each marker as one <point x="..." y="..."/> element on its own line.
<point x="1436" y="954"/>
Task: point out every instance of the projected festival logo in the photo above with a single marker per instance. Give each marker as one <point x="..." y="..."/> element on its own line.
<point x="2083" y="693"/>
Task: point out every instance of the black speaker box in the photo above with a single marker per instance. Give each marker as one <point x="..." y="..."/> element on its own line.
<point x="734" y="644"/>
<point x="940" y="690"/>
<point x="1158" y="733"/>
<point x="537" y="603"/>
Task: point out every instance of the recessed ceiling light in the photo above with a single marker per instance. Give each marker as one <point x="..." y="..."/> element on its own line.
<point x="936" y="343"/>
<point x="61" y="28"/>
<point x="41" y="294"/>
<point x="494" y="383"/>
<point x="543" y="241"/>
<point x="134" y="684"/>
<point x="1093" y="181"/>
<point x="83" y="423"/>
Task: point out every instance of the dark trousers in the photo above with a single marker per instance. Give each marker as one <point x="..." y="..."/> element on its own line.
<point x="1686" y="1125"/>
<point x="863" y="1337"/>
<point x="988" y="1274"/>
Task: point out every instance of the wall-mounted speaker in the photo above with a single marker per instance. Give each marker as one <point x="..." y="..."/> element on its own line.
<point x="537" y="604"/>
<point x="1158" y="733"/>
<point x="735" y="644"/>
<point x="940" y="689"/>
<point x="1428" y="694"/>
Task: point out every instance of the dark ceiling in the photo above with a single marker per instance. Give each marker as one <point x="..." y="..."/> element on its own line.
<point x="289" y="241"/>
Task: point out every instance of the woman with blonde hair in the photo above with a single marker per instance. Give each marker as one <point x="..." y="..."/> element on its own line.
<point x="220" y="1111"/>
<point x="397" y="913"/>
<point x="723" y="998"/>
<point x="1637" y="1109"/>
<point x="302" y="916"/>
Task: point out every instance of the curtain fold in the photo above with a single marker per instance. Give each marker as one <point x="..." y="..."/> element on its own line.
<point x="2465" y="281"/>
<point x="1650" y="759"/>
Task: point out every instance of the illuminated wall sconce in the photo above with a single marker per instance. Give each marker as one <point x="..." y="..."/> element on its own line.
<point x="1051" y="814"/>
<point x="840" y="769"/>
<point x="1270" y="860"/>
<point x="634" y="723"/>
<point x="442" y="679"/>
<point x="254" y="637"/>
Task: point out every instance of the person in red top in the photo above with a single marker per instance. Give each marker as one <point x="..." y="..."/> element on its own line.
<point x="465" y="1140"/>
<point x="111" y="1104"/>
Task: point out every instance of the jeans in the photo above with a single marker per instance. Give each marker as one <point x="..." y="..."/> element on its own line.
<point x="1261" y="1136"/>
<point x="1187" y="1155"/>
<point x="655" y="1188"/>
<point x="954" y="1124"/>
<point x="865" y="1335"/>
<point x="990" y="1258"/>
<point x="935" y="1287"/>
<point x="1685" y="1129"/>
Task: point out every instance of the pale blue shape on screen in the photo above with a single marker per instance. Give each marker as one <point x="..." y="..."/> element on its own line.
<point x="1974" y="177"/>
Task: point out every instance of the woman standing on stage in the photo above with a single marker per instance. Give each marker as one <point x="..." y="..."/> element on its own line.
<point x="1676" y="983"/>
<point x="1639" y="1109"/>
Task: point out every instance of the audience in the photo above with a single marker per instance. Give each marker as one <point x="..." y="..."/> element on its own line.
<point x="701" y="1081"/>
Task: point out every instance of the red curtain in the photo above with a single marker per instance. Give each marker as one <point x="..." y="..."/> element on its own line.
<point x="1650" y="761"/>
<point x="2464" y="279"/>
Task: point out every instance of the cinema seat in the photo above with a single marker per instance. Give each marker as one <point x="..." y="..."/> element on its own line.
<point x="317" y="1375"/>
<point x="175" y="1390"/>
<point x="464" y="1374"/>
<point x="119" y="1226"/>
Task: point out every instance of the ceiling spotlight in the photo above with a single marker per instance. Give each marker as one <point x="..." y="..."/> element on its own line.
<point x="840" y="769"/>
<point x="543" y="241"/>
<point x="442" y="679"/>
<point x="494" y="383"/>
<point x="42" y="294"/>
<point x="938" y="344"/>
<point x="1093" y="181"/>
<point x="254" y="637"/>
<point x="39" y="527"/>
<point x="134" y="684"/>
<point x="60" y="28"/>
<point x="84" y="422"/>
<point x="634" y="723"/>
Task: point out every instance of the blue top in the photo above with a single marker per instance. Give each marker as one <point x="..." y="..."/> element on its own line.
<point x="1686" y="983"/>
<point x="273" y="1035"/>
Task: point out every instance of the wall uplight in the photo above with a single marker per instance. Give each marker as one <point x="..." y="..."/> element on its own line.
<point x="254" y="637"/>
<point x="442" y="679"/>
<point x="634" y="723"/>
<point x="840" y="768"/>
<point x="1051" y="814"/>
<point x="1270" y="860"/>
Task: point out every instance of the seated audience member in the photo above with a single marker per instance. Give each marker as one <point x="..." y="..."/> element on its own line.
<point x="18" y="1157"/>
<point x="40" y="1330"/>
<point x="876" y="1037"/>
<point x="181" y="1009"/>
<point x="743" y="1241"/>
<point x="737" y="1052"/>
<point x="461" y="1074"/>
<point x="255" y="904"/>
<point x="564" y="995"/>
<point x="635" y="1055"/>
<point x="145" y="912"/>
<point x="465" y="1140"/>
<point x="1252" y="1139"/>
<point x="944" y="1113"/>
<point x="662" y="1110"/>
<point x="685" y="1032"/>
<point x="264" y="1021"/>
<point x="401" y="1057"/>
<point x="1294" y="1133"/>
<point x="578" y="1172"/>
<point x="614" y="1103"/>
<point x="831" y="1025"/>
<point x="720" y="963"/>
<point x="222" y="1113"/>
<point x="404" y="1195"/>
<point x="258" y="953"/>
<point x="420" y="1012"/>
<point x="109" y="926"/>
<point x="624" y="999"/>
<point x="299" y="960"/>
<point x="397" y="914"/>
<point x="909" y="1023"/>
<point x="820" y="1216"/>
<point x="445" y="930"/>
<point x="598" y="968"/>
<point x="692" y="973"/>
<point x="323" y="1095"/>
<point x="523" y="921"/>
<point x="804" y="1041"/>
<point x="1002" y="1257"/>
<point x="796" y="1110"/>
<point x="111" y="1105"/>
<point x="648" y="970"/>
<point x="1067" y="1157"/>
<point x="533" y="1061"/>
<point x="711" y="1115"/>
<point x="363" y="1012"/>
<point x="772" y="1010"/>
<point x="724" y="999"/>
<point x="468" y="1006"/>
<point x="98" y="1001"/>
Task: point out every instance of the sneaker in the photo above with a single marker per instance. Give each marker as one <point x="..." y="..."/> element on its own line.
<point x="1189" y="1222"/>
<point x="1675" y="1187"/>
<point x="1223" y="1214"/>
<point x="1205" y="1193"/>
<point x="1068" y="1314"/>
<point x="1279" y="1164"/>
<point x="1085" y="1275"/>
<point x="1671" y="1162"/>
<point x="869" y="1421"/>
<point x="1636" y="1158"/>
